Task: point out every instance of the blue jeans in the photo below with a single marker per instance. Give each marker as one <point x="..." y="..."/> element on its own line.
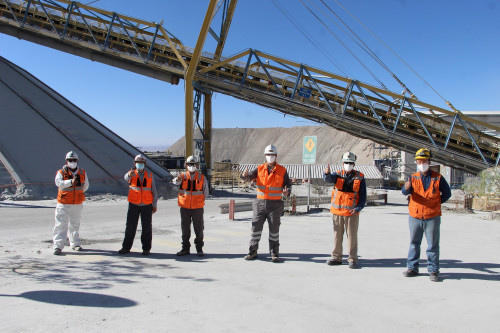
<point x="431" y="229"/>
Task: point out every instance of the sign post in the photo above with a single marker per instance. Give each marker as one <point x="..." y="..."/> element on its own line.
<point x="309" y="157"/>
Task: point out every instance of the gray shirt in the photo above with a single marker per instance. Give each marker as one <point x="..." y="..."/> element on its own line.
<point x="253" y="175"/>
<point x="205" y="185"/>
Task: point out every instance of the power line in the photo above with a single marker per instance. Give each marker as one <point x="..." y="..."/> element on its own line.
<point x="345" y="46"/>
<point x="309" y="38"/>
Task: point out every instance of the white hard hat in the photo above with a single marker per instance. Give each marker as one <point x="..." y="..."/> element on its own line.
<point x="349" y="157"/>
<point x="71" y="156"/>
<point x="140" y="158"/>
<point x="191" y="160"/>
<point x="270" y="150"/>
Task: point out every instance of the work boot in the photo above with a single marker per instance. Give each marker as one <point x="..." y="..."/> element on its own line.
<point x="353" y="265"/>
<point x="123" y="251"/>
<point x="333" y="262"/>
<point x="146" y="252"/>
<point x="77" y="248"/>
<point x="57" y="252"/>
<point x="434" y="277"/>
<point x="410" y="273"/>
<point x="183" y="252"/>
<point x="251" y="256"/>
<point x="275" y="258"/>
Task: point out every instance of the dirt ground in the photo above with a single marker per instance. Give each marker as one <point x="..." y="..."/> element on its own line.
<point x="98" y="290"/>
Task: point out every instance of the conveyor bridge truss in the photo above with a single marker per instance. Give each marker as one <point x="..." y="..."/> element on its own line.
<point x="292" y="88"/>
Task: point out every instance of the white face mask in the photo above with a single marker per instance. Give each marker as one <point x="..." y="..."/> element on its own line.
<point x="139" y="166"/>
<point x="72" y="165"/>
<point x="423" y="167"/>
<point x="191" y="168"/>
<point x="270" y="158"/>
<point x="348" y="167"/>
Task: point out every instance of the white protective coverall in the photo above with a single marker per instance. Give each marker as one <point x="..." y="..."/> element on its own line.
<point x="68" y="214"/>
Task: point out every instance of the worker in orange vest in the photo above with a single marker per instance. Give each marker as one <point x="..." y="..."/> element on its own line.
<point x="71" y="182"/>
<point x="142" y="201"/>
<point x="272" y="182"/>
<point x="193" y="190"/>
<point x="348" y="199"/>
<point x="427" y="190"/>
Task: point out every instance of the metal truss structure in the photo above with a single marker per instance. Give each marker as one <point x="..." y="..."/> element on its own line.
<point x="292" y="88"/>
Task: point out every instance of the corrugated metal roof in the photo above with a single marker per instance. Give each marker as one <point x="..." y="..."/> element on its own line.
<point x="300" y="171"/>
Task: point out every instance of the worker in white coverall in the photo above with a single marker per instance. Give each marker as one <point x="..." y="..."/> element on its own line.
<point x="272" y="182"/>
<point x="71" y="182"/>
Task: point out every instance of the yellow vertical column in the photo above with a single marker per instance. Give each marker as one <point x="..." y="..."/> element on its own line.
<point x="207" y="118"/>
<point x="191" y="71"/>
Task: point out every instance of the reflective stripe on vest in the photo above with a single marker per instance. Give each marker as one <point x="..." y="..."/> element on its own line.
<point x="72" y="195"/>
<point x="425" y="204"/>
<point x="141" y="192"/>
<point x="270" y="184"/>
<point x="191" y="194"/>
<point x="342" y="201"/>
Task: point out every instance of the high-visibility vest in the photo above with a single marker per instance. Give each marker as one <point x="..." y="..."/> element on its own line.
<point x="270" y="184"/>
<point x="425" y="204"/>
<point x="345" y="196"/>
<point x="72" y="195"/>
<point x="191" y="194"/>
<point x="140" y="192"/>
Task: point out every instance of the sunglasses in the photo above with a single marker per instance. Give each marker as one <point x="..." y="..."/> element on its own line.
<point x="72" y="160"/>
<point x="348" y="162"/>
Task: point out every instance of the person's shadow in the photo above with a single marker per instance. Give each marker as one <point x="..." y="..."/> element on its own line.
<point x="474" y="271"/>
<point x="75" y="298"/>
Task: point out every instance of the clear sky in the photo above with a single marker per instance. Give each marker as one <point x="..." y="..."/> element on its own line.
<point x="453" y="44"/>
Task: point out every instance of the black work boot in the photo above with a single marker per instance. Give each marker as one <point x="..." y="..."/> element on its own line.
<point x="183" y="252"/>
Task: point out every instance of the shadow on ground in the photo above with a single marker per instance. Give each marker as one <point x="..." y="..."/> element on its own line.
<point x="94" y="272"/>
<point x="480" y="271"/>
<point x="76" y="298"/>
<point x="16" y="205"/>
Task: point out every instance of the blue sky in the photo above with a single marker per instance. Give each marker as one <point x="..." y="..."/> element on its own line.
<point x="453" y="44"/>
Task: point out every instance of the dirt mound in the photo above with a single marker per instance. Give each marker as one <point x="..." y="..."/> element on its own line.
<point x="246" y="145"/>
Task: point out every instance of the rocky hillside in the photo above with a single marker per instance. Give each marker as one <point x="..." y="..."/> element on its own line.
<point x="246" y="145"/>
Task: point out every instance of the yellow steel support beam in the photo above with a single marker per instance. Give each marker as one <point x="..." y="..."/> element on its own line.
<point x="190" y="72"/>
<point x="172" y="46"/>
<point x="207" y="118"/>
<point x="222" y="63"/>
<point x="225" y="28"/>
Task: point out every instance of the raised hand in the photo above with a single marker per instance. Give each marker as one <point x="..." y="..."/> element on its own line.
<point x="408" y="184"/>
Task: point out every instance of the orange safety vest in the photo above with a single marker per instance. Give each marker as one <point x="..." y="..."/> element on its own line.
<point x="345" y="199"/>
<point x="270" y="185"/>
<point x="425" y="204"/>
<point x="141" y="192"/>
<point x="191" y="191"/>
<point x="72" y="195"/>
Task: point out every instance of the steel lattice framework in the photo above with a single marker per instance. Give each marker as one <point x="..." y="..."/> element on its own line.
<point x="292" y="88"/>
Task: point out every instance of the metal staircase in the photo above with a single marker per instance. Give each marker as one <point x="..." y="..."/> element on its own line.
<point x="292" y="88"/>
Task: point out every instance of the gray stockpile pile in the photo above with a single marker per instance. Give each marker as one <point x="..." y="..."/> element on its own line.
<point x="246" y="145"/>
<point x="39" y="127"/>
